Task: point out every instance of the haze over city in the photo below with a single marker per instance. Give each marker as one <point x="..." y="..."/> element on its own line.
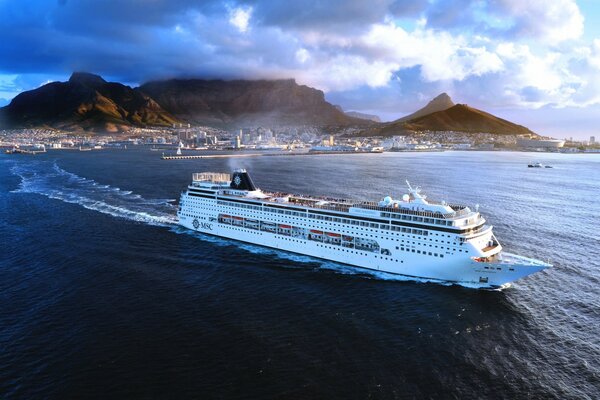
<point x="531" y="62"/>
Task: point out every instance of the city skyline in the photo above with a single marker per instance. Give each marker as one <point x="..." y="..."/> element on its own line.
<point x="537" y="64"/>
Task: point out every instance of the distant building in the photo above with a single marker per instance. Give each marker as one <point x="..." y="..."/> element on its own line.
<point x="541" y="143"/>
<point x="185" y="135"/>
<point x="592" y="140"/>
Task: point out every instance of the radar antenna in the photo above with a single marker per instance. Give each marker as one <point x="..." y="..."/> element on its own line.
<point x="415" y="191"/>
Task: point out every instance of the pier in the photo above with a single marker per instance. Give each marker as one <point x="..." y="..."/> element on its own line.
<point x="209" y="156"/>
<point x="23" y="151"/>
<point x="313" y="153"/>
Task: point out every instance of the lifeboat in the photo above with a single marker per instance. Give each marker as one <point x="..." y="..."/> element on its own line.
<point x="225" y="216"/>
<point x="348" y="238"/>
<point x="238" y="218"/>
<point x="334" y="235"/>
<point x="285" y="227"/>
<point x="314" y="231"/>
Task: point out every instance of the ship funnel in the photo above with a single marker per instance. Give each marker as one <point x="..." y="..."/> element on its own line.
<point x="242" y="181"/>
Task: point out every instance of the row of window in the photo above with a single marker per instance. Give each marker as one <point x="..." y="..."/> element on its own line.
<point x="415" y="218"/>
<point x="232" y="206"/>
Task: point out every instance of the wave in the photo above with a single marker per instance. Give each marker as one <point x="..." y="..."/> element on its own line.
<point x="59" y="184"/>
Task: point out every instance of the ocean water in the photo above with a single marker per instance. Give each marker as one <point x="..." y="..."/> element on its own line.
<point x="102" y="295"/>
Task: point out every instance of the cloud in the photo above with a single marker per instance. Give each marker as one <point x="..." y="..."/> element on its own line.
<point x="441" y="55"/>
<point x="334" y="15"/>
<point x="550" y="21"/>
<point x="240" y="17"/>
<point x="502" y="53"/>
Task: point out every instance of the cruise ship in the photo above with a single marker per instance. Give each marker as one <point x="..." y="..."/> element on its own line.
<point x="413" y="236"/>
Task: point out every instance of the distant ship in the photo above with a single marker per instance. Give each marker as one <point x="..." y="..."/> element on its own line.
<point x="538" y="165"/>
<point x="412" y="237"/>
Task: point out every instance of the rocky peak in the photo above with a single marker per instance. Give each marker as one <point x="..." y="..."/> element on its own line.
<point x="442" y="100"/>
<point x="85" y="78"/>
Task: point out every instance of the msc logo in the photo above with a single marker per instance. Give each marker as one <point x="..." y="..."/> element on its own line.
<point x="204" y="225"/>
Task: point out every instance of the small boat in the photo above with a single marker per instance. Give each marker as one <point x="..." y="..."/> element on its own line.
<point x="535" y="165"/>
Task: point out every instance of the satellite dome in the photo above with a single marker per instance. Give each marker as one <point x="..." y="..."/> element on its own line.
<point x="406" y="198"/>
<point x="387" y="199"/>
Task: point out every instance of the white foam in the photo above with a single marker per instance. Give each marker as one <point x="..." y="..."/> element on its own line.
<point x="58" y="184"/>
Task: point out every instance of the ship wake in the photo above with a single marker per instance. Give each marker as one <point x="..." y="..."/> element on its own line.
<point x="56" y="183"/>
<point x="52" y="181"/>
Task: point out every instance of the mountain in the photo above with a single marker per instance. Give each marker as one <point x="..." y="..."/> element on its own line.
<point x="87" y="102"/>
<point x="459" y="118"/>
<point x="368" y="117"/>
<point x="440" y="103"/>
<point x="245" y="102"/>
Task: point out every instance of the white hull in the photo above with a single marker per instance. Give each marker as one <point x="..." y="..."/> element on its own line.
<point x="457" y="270"/>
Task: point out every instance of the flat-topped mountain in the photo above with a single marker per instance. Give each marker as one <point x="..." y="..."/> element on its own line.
<point x="368" y="117"/>
<point x="245" y="102"/>
<point x="87" y="102"/>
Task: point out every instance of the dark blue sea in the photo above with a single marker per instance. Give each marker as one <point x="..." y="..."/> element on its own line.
<point x="103" y="296"/>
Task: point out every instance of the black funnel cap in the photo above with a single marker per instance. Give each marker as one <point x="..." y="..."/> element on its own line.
<point x="242" y="181"/>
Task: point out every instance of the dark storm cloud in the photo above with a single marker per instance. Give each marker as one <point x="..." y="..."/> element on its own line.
<point x="137" y="40"/>
<point x="116" y="38"/>
<point x="334" y="14"/>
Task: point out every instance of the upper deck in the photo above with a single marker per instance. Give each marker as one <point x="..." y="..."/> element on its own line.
<point x="413" y="207"/>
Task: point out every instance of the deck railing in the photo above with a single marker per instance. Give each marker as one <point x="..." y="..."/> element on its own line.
<point x="212" y="177"/>
<point x="344" y="205"/>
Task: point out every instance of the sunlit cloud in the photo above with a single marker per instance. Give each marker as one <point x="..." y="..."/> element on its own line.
<point x="240" y="18"/>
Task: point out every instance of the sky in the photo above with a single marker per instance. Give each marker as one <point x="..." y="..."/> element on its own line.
<point x="534" y="62"/>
